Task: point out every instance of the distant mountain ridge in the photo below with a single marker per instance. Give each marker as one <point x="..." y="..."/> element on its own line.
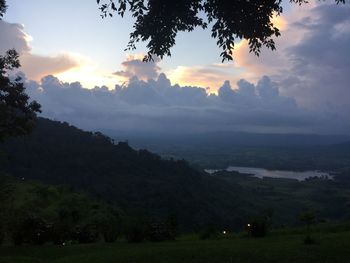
<point x="228" y="139"/>
<point x="271" y="151"/>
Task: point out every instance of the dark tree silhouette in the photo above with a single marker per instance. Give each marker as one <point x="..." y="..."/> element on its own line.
<point x="17" y="115"/>
<point x="308" y="218"/>
<point x="2" y="8"/>
<point x="159" y="21"/>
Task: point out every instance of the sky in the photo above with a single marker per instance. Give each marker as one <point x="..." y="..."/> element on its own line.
<point x="74" y="64"/>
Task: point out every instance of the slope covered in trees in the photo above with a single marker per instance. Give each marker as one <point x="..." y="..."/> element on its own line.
<point x="142" y="183"/>
<point x="35" y="213"/>
<point x="136" y="180"/>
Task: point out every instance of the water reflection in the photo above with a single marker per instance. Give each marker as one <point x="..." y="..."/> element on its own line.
<point x="261" y="172"/>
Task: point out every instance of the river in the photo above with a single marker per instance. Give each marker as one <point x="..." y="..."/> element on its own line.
<point x="261" y="172"/>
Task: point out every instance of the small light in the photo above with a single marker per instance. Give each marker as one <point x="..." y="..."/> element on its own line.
<point x="224" y="232"/>
<point x="63" y="244"/>
<point x="248" y="225"/>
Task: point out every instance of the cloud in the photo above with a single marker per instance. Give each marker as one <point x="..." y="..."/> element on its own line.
<point x="34" y="66"/>
<point x="275" y="62"/>
<point x="13" y="36"/>
<point x="312" y="61"/>
<point x="318" y="73"/>
<point x="158" y="106"/>
<point x="307" y="89"/>
<point x="134" y="66"/>
<point x="209" y="76"/>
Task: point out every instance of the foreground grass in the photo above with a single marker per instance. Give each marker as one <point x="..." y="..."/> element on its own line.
<point x="330" y="247"/>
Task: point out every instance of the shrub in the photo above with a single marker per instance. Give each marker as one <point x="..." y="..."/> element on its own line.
<point x="86" y="234"/>
<point x="135" y="234"/>
<point x="308" y="218"/>
<point x="137" y="228"/>
<point x="257" y="228"/>
<point x="171" y="225"/>
<point x="163" y="230"/>
<point x="210" y="232"/>
<point x="2" y="234"/>
<point x="109" y="226"/>
<point x="135" y="231"/>
<point x="30" y="230"/>
<point x="110" y="231"/>
<point x="110" y="236"/>
<point x="60" y="233"/>
<point x="308" y="240"/>
<point x="158" y="232"/>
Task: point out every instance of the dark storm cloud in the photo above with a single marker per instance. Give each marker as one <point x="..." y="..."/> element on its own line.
<point x="320" y="64"/>
<point x="158" y="106"/>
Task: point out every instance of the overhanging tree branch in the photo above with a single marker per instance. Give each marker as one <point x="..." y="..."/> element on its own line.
<point x="159" y="21"/>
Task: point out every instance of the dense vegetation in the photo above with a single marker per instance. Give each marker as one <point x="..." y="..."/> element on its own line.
<point x="141" y="183"/>
<point x="286" y="199"/>
<point x="34" y="213"/>
<point x="270" y="151"/>
<point x="330" y="158"/>
<point x="135" y="180"/>
<point x="17" y="113"/>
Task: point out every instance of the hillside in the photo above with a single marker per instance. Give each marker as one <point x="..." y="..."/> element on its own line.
<point x="140" y="182"/>
<point x="227" y="139"/>
<point x="135" y="180"/>
<point x="35" y="213"/>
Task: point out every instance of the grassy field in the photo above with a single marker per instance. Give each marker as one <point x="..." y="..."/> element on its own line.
<point x="332" y="246"/>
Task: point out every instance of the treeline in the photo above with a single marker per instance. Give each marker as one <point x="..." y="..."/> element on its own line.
<point x="35" y="213"/>
<point x="301" y="158"/>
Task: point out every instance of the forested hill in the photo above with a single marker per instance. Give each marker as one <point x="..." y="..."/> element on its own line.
<point x="135" y="180"/>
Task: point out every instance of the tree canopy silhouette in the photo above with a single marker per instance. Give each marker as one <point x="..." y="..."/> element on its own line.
<point x="2" y="8"/>
<point x="17" y="114"/>
<point x="159" y="21"/>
